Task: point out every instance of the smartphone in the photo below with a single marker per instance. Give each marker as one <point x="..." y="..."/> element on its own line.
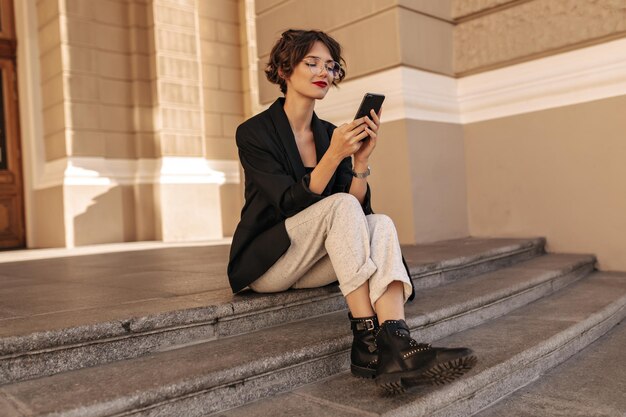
<point x="370" y="101"/>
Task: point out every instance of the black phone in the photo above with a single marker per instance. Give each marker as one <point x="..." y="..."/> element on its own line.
<point x="370" y="101"/>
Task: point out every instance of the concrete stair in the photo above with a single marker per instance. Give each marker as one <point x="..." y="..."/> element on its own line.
<point x="522" y="311"/>
<point x="513" y="351"/>
<point x="132" y="330"/>
<point x="589" y="384"/>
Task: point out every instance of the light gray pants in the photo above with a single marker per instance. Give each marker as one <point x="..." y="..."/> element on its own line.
<point x="333" y="240"/>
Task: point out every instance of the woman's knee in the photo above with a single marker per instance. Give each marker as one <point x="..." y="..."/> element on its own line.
<point x="380" y="221"/>
<point x="345" y="202"/>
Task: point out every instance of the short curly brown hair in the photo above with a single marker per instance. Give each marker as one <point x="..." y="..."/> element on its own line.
<point x="292" y="47"/>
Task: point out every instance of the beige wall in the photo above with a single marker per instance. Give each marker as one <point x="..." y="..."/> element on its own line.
<point x="419" y="179"/>
<point x="557" y="173"/>
<point x="391" y="159"/>
<point x="101" y="214"/>
<point x="49" y="220"/>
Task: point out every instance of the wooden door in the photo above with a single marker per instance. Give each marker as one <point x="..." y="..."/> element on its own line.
<point x="12" y="233"/>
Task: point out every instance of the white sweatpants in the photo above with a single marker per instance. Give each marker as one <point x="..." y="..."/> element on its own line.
<point x="333" y="240"/>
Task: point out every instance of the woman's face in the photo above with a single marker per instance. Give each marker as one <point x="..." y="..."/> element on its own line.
<point x="303" y="82"/>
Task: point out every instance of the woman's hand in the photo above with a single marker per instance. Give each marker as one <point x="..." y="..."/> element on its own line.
<point x="371" y="128"/>
<point x="347" y="138"/>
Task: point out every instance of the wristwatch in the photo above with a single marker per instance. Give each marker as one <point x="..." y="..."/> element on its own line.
<point x="362" y="175"/>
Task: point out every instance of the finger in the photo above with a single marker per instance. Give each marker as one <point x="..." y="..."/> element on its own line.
<point x="361" y="136"/>
<point x="371" y="124"/>
<point x="376" y="117"/>
<point x="358" y="121"/>
<point x="372" y="134"/>
<point x="358" y="129"/>
<point x="346" y="127"/>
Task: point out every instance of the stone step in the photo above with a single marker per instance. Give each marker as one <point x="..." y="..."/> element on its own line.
<point x="42" y="345"/>
<point x="513" y="351"/>
<point x="227" y="372"/>
<point x="592" y="383"/>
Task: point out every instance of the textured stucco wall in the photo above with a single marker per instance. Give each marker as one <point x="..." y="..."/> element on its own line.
<point x="533" y="29"/>
<point x="461" y="8"/>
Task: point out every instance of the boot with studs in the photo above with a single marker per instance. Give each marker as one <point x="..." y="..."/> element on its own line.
<point x="363" y="356"/>
<point x="402" y="362"/>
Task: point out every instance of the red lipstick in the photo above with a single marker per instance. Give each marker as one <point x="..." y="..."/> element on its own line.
<point x="320" y="84"/>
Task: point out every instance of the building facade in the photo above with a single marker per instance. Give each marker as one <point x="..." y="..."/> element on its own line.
<point x="502" y="117"/>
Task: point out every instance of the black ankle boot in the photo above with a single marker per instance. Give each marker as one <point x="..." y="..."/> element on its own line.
<point x="363" y="356"/>
<point x="402" y="362"/>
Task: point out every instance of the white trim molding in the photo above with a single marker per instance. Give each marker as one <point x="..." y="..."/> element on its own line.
<point x="579" y="76"/>
<point x="166" y="170"/>
<point x="409" y="94"/>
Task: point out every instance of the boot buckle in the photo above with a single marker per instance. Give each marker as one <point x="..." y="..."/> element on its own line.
<point x="369" y="324"/>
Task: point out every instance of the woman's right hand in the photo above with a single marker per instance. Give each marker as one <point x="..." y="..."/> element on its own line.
<point x="347" y="138"/>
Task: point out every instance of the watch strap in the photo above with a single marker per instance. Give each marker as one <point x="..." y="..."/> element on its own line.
<point x="362" y="175"/>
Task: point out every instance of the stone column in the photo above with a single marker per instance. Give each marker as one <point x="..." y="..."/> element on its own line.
<point x="188" y="190"/>
<point x="220" y="25"/>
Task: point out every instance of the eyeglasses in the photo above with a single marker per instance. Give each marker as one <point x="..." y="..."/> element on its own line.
<point x="315" y="66"/>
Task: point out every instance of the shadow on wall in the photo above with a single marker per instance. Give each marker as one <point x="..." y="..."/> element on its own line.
<point x="129" y="213"/>
<point x="112" y="216"/>
<point x="231" y="201"/>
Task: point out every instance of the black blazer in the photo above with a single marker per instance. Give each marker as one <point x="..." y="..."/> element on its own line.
<point x="276" y="187"/>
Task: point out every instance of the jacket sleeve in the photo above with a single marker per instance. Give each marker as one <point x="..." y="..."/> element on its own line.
<point x="271" y="177"/>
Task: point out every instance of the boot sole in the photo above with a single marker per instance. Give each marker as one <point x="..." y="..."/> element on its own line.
<point x="440" y="374"/>
<point x="360" y="372"/>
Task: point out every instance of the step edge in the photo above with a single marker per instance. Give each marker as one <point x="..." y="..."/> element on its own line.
<point x="531" y="244"/>
<point x="15" y="343"/>
<point x="497" y="297"/>
<point x="456" y="309"/>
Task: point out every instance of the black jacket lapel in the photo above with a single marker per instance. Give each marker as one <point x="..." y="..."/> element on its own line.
<point x="286" y="136"/>
<point x="322" y="142"/>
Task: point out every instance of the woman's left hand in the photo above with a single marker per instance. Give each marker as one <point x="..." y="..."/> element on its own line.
<point x="373" y="123"/>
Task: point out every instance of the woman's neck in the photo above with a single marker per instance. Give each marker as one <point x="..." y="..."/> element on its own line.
<point x="299" y="111"/>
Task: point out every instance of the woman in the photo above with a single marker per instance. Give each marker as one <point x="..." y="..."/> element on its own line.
<point x="307" y="220"/>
